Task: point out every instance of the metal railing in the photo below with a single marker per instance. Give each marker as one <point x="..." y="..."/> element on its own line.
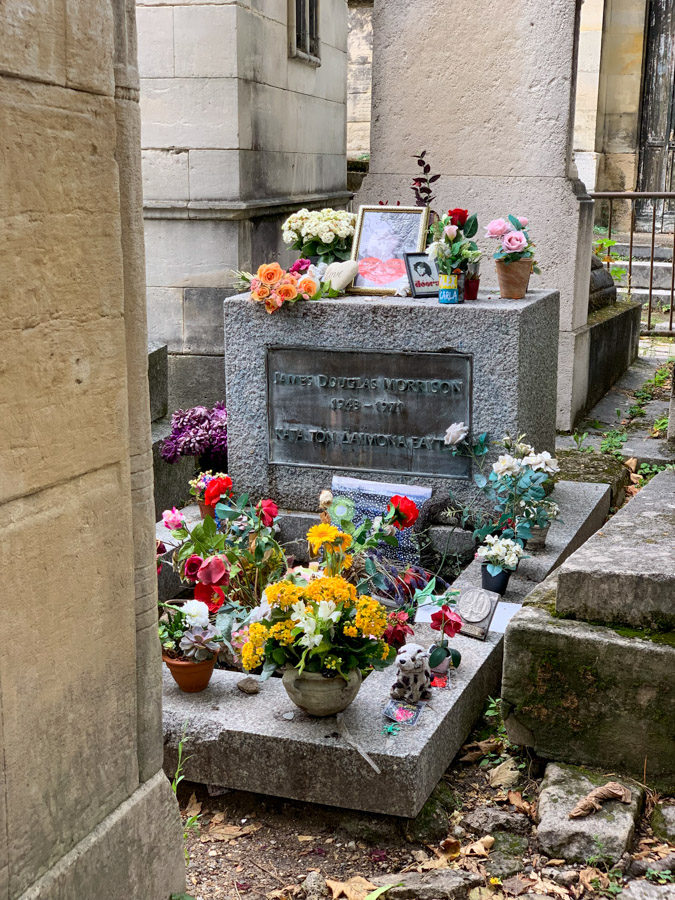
<point x="632" y="197"/>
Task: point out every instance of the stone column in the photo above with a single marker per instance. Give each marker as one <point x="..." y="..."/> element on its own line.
<point x="86" y="810"/>
<point x="488" y="90"/>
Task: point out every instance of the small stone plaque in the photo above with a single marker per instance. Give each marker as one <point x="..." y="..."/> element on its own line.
<point x="477" y="607"/>
<point x="365" y="410"/>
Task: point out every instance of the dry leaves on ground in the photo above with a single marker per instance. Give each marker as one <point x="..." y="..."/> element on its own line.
<point x="592" y="879"/>
<point x="504" y="775"/>
<point x="523" y="806"/>
<point x="479" y="848"/>
<point x="219" y="830"/>
<point x="594" y="799"/>
<point x="194" y="806"/>
<point x="478" y="749"/>
<point x="546" y="886"/>
<point x="356" y="888"/>
<point x="285" y="893"/>
<point x="516" y="885"/>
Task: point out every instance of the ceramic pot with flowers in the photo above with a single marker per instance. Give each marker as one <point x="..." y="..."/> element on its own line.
<point x="499" y="558"/>
<point x="190" y="644"/>
<point x="452" y="249"/>
<point x="321" y="695"/>
<point x="497" y="583"/>
<point x="514" y="259"/>
<point x="208" y="489"/>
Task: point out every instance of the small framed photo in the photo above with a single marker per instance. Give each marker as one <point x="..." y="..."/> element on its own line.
<point x="422" y="275"/>
<point x="383" y="236"/>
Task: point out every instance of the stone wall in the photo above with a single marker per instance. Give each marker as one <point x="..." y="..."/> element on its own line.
<point x="588" y="86"/>
<point x="502" y="140"/>
<point x="359" y="77"/>
<point x="84" y="805"/>
<point x="236" y="135"/>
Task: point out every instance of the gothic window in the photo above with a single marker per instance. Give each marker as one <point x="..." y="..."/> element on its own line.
<point x="304" y="30"/>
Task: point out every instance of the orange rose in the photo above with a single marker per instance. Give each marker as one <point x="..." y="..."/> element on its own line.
<point x="260" y="293"/>
<point x="287" y="291"/>
<point x="271" y="273"/>
<point x="273" y="302"/>
<point x="307" y="285"/>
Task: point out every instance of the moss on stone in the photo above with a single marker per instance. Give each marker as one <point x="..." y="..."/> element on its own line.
<point x="509" y="844"/>
<point x="597" y="468"/>
<point x="656" y="637"/>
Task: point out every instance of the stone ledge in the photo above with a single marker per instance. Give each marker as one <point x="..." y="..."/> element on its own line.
<point x="626" y="572"/>
<point x="234" y="736"/>
<point x="588" y="695"/>
<point x="240" y="209"/>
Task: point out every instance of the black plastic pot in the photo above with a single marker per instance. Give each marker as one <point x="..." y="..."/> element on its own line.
<point x="497" y="583"/>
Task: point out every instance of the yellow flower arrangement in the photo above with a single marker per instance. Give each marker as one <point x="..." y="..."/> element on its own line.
<point x="318" y="535"/>
<point x="371" y="617"/>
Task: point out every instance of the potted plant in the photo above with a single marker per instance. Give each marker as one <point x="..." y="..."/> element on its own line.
<point x="448" y="623"/>
<point x="499" y="558"/>
<point x="472" y="277"/>
<point x="207" y="489"/>
<point x="515" y="258"/>
<point x="322" y="235"/>
<point x="319" y="632"/>
<point x="190" y="644"/>
<point x="451" y="241"/>
<point x="539" y="518"/>
<point x="199" y="432"/>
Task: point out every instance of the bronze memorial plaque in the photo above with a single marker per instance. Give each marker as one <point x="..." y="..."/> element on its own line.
<point x="357" y="409"/>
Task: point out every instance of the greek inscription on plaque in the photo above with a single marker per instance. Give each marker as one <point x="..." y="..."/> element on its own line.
<point x="363" y="410"/>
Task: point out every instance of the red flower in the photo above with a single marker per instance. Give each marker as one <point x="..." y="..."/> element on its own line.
<point x="211" y="595"/>
<point x="447" y="621"/>
<point x="213" y="571"/>
<point x="191" y="567"/>
<point x="405" y="512"/>
<point x="458" y="217"/>
<point x="216" y="488"/>
<point x="160" y="550"/>
<point x="396" y="631"/>
<point x="267" y="511"/>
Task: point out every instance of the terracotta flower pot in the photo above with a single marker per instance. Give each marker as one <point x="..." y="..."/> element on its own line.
<point x="190" y="677"/>
<point x="206" y="510"/>
<point x="514" y="278"/>
<point x="471" y="288"/>
<point x="321" y="696"/>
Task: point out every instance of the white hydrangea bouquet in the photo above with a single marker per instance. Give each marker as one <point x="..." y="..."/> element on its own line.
<point x="323" y="233"/>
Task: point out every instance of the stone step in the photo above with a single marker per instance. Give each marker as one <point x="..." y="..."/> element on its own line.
<point x="625" y="574"/>
<point x="590" y="695"/>
<point x="640" y="273"/>
<point x="235" y="736"/>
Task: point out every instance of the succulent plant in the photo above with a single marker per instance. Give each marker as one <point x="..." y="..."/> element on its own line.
<point x="199" y="644"/>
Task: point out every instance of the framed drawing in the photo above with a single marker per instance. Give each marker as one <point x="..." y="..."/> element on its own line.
<point x="422" y="274"/>
<point x="384" y="234"/>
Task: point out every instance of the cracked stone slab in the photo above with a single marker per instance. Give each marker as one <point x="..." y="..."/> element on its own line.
<point x="607" y="833"/>
<point x="263" y="743"/>
<point x="625" y="573"/>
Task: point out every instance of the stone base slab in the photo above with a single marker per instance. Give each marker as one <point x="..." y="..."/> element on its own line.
<point x="137" y="851"/>
<point x="244" y="741"/>
<point x="589" y="695"/>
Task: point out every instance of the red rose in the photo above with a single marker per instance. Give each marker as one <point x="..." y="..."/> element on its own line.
<point x="211" y="595"/>
<point x="192" y="564"/>
<point x="405" y="512"/>
<point x="267" y="511"/>
<point x="216" y="488"/>
<point x="447" y="621"/>
<point x="213" y="571"/>
<point x="458" y="217"/>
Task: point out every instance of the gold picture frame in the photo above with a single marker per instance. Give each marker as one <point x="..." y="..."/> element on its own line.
<point x="387" y="234"/>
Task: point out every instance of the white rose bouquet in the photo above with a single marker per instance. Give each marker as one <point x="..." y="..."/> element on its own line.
<point x="500" y="554"/>
<point x="326" y="233"/>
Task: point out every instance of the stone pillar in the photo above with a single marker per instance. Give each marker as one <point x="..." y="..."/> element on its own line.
<point x="359" y="77"/>
<point x="488" y="91"/>
<point x="588" y="86"/>
<point x="237" y="134"/>
<point x="84" y="805"/>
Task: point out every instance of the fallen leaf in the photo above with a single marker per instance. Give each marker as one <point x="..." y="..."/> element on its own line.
<point x="516" y="799"/>
<point x="472" y="864"/>
<point x="356" y="888"/>
<point x="556" y="862"/>
<point x="594" y="799"/>
<point x="284" y="893"/>
<point x="516" y="885"/>
<point x="478" y="749"/>
<point x="194" y="806"/>
<point x="632" y="489"/>
<point x="451" y="846"/>
<point x="504" y="775"/>
<point x="305" y="837"/>
<point x="479" y="848"/>
<point x="589" y="875"/>
<point x="631" y="464"/>
<point x="546" y="886"/>
<point x="220" y="832"/>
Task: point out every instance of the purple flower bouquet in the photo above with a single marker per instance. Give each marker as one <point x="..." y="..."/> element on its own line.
<point x="198" y="432"/>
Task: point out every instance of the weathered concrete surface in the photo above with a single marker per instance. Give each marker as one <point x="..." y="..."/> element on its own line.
<point x="589" y="695"/>
<point x="158" y="380"/>
<point x="625" y="574"/>
<point x="583" y="509"/>
<point x="171" y="480"/>
<point x="597" y="468"/>
<point x="445" y="884"/>
<point x="614" y="335"/>
<point x="607" y="833"/>
<point x="234" y="735"/>
<point x="513" y="382"/>
<point x="80" y="725"/>
<point x="645" y="890"/>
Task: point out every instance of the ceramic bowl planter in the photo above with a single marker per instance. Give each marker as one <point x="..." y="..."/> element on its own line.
<point x="320" y="696"/>
<point x="497" y="583"/>
<point x="514" y="278"/>
<point x="538" y="538"/>
<point x="450" y="288"/>
<point x="191" y="677"/>
<point x="206" y="510"/>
